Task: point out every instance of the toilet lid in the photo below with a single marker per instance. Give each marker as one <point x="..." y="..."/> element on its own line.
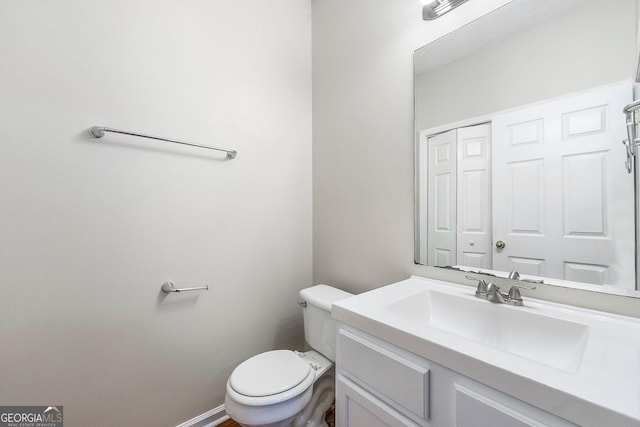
<point x="269" y="373"/>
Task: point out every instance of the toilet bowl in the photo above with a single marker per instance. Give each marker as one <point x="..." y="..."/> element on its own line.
<point x="278" y="388"/>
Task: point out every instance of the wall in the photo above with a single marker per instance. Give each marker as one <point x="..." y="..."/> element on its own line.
<point x="92" y="228"/>
<point x="590" y="47"/>
<point x="363" y="135"/>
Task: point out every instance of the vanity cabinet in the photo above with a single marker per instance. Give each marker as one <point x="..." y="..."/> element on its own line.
<point x="380" y="384"/>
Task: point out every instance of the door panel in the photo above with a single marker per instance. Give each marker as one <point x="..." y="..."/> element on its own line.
<point x="530" y="266"/>
<point x="525" y="180"/>
<point x="585" y="193"/>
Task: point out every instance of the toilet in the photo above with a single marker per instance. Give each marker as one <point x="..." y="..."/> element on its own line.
<point x="285" y="387"/>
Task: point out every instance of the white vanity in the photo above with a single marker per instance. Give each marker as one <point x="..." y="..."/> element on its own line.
<point x="427" y="353"/>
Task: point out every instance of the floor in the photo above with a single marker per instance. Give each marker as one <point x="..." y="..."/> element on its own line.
<point x="229" y="423"/>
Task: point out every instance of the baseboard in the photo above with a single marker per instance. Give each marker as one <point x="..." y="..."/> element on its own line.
<point x="209" y="419"/>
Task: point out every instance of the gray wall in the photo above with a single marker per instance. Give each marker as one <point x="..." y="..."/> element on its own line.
<point x="363" y="135"/>
<point x="589" y="47"/>
<point x="90" y="230"/>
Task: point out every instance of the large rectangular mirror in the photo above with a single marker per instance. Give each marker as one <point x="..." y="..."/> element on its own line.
<point x="519" y="154"/>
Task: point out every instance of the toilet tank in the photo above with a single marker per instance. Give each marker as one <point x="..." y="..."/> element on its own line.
<point x="319" y="328"/>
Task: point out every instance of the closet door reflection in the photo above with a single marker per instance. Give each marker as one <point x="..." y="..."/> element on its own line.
<point x="459" y="197"/>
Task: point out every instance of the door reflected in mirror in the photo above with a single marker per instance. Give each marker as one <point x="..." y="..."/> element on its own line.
<point x="520" y="161"/>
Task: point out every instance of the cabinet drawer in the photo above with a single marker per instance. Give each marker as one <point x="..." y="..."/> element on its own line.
<point x="402" y="384"/>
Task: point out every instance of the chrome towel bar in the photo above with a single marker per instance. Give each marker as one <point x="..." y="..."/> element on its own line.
<point x="169" y="286"/>
<point x="99" y="131"/>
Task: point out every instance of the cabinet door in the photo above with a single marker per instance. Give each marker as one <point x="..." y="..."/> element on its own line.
<point x="392" y="378"/>
<point x="357" y="408"/>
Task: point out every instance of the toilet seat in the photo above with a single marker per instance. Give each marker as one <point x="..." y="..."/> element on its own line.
<point x="270" y="378"/>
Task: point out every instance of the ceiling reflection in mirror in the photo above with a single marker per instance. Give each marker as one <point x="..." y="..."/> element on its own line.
<point x="520" y="164"/>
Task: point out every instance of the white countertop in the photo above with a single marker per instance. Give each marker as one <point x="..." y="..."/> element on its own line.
<point x="600" y="388"/>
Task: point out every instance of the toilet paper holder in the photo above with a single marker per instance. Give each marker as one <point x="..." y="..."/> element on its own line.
<point x="169" y="286"/>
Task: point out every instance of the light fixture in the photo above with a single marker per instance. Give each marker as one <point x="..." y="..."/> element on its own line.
<point x="436" y="8"/>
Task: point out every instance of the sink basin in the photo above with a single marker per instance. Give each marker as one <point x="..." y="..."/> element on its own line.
<point x="551" y="341"/>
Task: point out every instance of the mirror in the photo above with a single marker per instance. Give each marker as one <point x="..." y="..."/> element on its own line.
<point x="520" y="164"/>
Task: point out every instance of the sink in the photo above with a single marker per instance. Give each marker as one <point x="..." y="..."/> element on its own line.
<point x="569" y="359"/>
<point x="520" y="331"/>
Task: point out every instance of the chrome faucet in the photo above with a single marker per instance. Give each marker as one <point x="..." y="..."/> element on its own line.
<point x="491" y="292"/>
<point x="494" y="294"/>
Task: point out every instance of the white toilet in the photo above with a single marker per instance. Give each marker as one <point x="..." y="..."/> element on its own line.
<point x="276" y="388"/>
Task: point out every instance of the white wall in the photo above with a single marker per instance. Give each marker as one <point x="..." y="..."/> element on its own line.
<point x="89" y="230"/>
<point x="590" y="47"/>
<point x="363" y="135"/>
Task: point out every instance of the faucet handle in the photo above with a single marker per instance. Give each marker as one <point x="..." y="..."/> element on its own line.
<point x="514" y="296"/>
<point x="481" y="290"/>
